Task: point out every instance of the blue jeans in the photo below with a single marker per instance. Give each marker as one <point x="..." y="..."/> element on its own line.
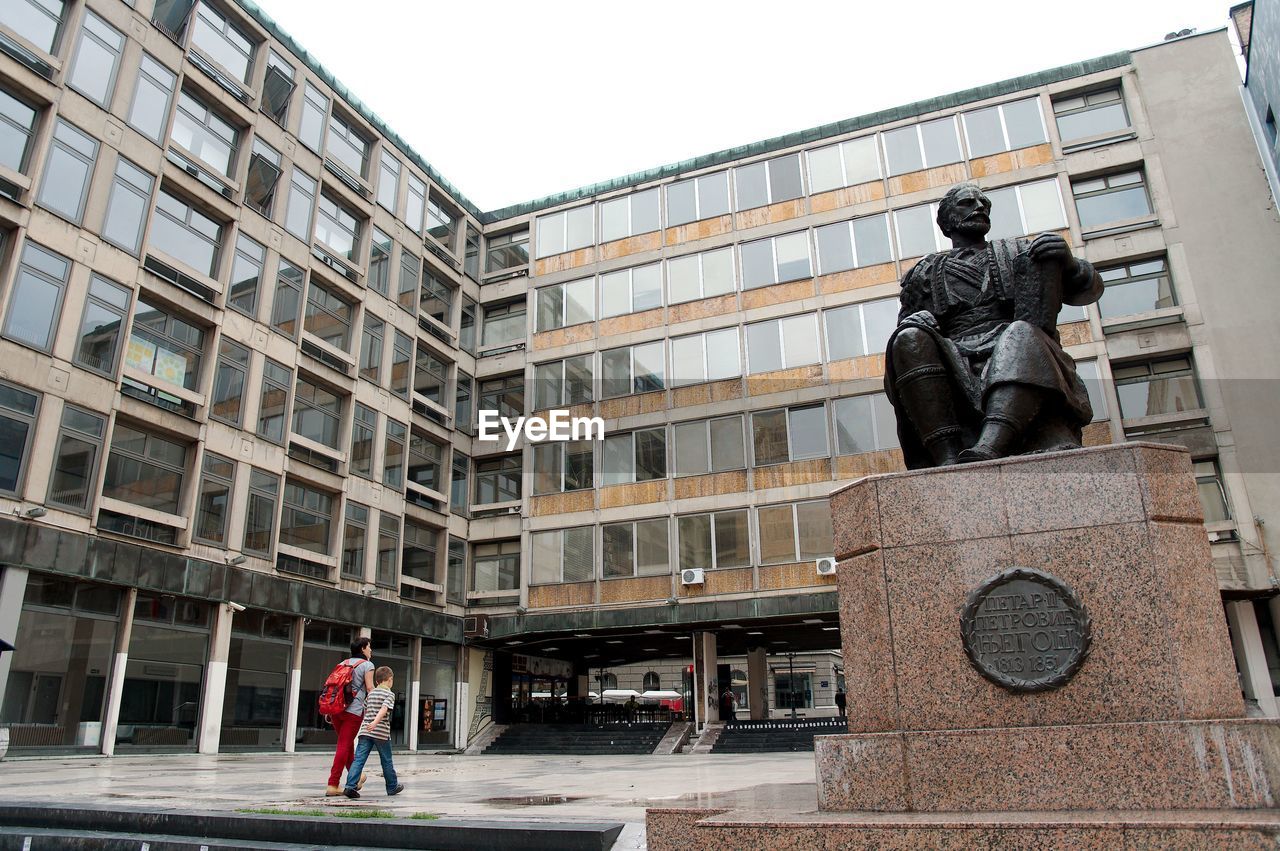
<point x="364" y="744"/>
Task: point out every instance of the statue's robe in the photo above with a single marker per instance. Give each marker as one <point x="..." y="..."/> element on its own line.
<point x="996" y="316"/>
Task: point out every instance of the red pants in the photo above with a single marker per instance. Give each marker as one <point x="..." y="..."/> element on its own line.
<point x="347" y="725"/>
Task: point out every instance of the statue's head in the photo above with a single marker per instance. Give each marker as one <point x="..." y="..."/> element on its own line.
<point x="965" y="209"/>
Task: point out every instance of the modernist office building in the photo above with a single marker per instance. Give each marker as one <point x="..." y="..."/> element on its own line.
<point x="245" y="330"/>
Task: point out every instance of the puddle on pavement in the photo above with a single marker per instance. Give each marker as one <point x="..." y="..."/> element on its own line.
<point x="534" y="800"/>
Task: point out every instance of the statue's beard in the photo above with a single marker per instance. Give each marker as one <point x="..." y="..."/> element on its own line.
<point x="972" y="228"/>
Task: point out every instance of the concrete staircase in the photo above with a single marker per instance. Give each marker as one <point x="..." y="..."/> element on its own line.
<point x="578" y="739"/>
<point x="776" y="736"/>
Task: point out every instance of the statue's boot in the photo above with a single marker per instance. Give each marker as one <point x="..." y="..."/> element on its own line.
<point x="925" y="393"/>
<point x="1010" y="409"/>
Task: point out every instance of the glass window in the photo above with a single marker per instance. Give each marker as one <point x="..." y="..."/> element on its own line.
<point x="410" y="273"/>
<point x="504" y="324"/>
<point x="246" y="274"/>
<point x="262" y="177"/>
<point x="419" y="556"/>
<point x="853" y="244"/>
<point x="864" y="424"/>
<point x="792" y="533"/>
<point x="442" y="223"/>
<point x="260" y="512"/>
<point x="97" y="60"/>
<point x="363" y="430"/>
<point x="630" y="215"/>
<point x="165" y="346"/>
<point x="561" y="467"/>
<point x="507" y="251"/>
<point x="101" y="325"/>
<point x="782" y="343"/>
<point x="287" y="302"/>
<point x="274" y="402"/>
<point x="75" y="460"/>
<point x="456" y="572"/>
<point x="277" y="88"/>
<point x="317" y="413"/>
<point x="1027" y="209"/>
<point x="186" y="234"/>
<point x="302" y="198"/>
<point x="714" y="540"/>
<point x="504" y="395"/>
<point x="38" y="21"/>
<point x="1088" y="372"/>
<point x="222" y="42"/>
<point x="328" y="317"/>
<point x="36" y="301"/>
<point x="380" y="262"/>
<point x="561" y="305"/>
<point x="698" y="198"/>
<point x="425" y="462"/>
<point x="415" y="203"/>
<point x="149" y="111"/>
<point x="347" y="145"/>
<point x="1111" y="198"/>
<point x="401" y="364"/>
<point x="496" y="566"/>
<point x="371" y="348"/>
<point x="145" y="469"/>
<point x="631" y="369"/>
<point x="17" y="126"/>
<point x="768" y="182"/>
<point x="565" y="555"/>
<point x="471" y="257"/>
<point x="846" y="164"/>
<point x="459" y="487"/>
<point x="775" y="260"/>
<point x="462" y="419"/>
<point x="68" y="171"/>
<point x="204" y="133"/>
<point x="926" y="145"/>
<point x="794" y="434"/>
<point x="467" y="325"/>
<point x="1006" y="127"/>
<point x="338" y="228"/>
<point x="1136" y="288"/>
<point x="563" y="382"/>
<point x="498" y="479"/>
<point x="703" y="275"/>
<point x="388" y="181"/>
<point x="1090" y="114"/>
<point x="1213" y="496"/>
<point x="631" y="290"/>
<point x="17" y="426"/>
<point x="860" y="329"/>
<point x="712" y="356"/>
<point x="355" y="531"/>
<point x="918" y="233"/>
<point x="565" y="231"/>
<point x="315" y="109"/>
<point x="435" y="299"/>
<point x="229" y="378"/>
<point x="1156" y="388"/>
<point x="634" y="457"/>
<point x="305" y="517"/>
<point x="430" y="375"/>
<point x="127" y="207"/>
<point x="708" y="446"/>
<point x="393" y="455"/>
<point x="213" y="502"/>
<point x="635" y="549"/>
<point x="387" y="568"/>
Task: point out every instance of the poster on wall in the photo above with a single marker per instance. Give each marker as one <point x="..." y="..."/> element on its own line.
<point x="441" y="713"/>
<point x="427" y="714"/>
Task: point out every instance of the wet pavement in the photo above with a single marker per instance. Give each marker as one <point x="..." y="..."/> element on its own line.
<point x="556" y="788"/>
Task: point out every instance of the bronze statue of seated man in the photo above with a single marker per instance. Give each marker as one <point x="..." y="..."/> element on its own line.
<point x="975" y="369"/>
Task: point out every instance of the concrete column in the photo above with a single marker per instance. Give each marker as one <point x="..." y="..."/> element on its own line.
<point x="758" y="683"/>
<point x="706" y="701"/>
<point x="462" y="693"/>
<point x="215" y="681"/>
<point x="1246" y="641"/>
<point x="415" y="690"/>
<point x="115" y="688"/>
<point x="289" y="735"/>
<point x="13" y="587"/>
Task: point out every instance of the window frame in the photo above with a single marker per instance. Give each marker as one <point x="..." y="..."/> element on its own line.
<point x="713" y="524"/>
<point x="65" y="148"/>
<point x="116" y="53"/>
<point x="66" y="432"/>
<point x="29" y="418"/>
<point x="228" y="483"/>
<point x="40" y="276"/>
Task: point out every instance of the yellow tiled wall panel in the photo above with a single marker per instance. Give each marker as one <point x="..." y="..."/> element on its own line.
<point x="780" y="212"/>
<point x="869" y="464"/>
<point x="784" y="379"/>
<point x="705" y="394"/>
<point x="564" y="336"/>
<point x="851" y="369"/>
<point x="572" y="594"/>
<point x="631" y="322"/>
<point x="725" y="581"/>
<point x="713" y="484"/>
<point x="631" y="245"/>
<point x="846" y="197"/>
<point x="915" y="181"/>
<point x="800" y="575"/>
<point x="639" y="588"/>
<point x="629" y="406"/>
<point x="568" y="260"/>
<point x="562" y="503"/>
<point x="702" y="308"/>
<point x="639" y="493"/>
<point x="793" y="473"/>
<point x="699" y="230"/>
<point x="854" y="279"/>
<point x="777" y="293"/>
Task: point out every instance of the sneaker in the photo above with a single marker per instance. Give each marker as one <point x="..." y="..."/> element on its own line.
<point x="396" y="791"/>
<point x="332" y="791"/>
<point x="351" y="793"/>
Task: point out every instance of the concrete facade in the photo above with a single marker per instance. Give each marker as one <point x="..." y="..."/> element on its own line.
<point x="281" y="399"/>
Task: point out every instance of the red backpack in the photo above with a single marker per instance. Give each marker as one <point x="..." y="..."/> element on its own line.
<point x="339" y="689"/>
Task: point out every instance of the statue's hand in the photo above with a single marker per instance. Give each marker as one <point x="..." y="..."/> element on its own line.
<point x="1050" y="248"/>
<point x="923" y="317"/>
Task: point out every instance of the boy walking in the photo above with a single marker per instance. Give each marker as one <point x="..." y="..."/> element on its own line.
<point x="375" y="733"/>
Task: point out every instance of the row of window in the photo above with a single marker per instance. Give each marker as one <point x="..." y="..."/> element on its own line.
<point x="1024" y="209"/>
<point x="784" y="534"/>
<point x="929" y="144"/>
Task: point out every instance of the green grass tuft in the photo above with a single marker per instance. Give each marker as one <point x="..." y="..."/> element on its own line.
<point x="425" y="816"/>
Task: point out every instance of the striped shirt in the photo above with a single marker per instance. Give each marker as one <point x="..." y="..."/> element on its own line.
<point x="377" y="699"/>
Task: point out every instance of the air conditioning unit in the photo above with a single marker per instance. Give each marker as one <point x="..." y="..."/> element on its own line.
<point x="693" y="576"/>
<point x="826" y="566"/>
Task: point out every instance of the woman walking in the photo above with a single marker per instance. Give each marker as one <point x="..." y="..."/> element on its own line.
<point x="347" y="722"/>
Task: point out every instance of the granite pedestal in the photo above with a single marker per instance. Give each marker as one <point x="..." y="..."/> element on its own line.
<point x="1146" y="744"/>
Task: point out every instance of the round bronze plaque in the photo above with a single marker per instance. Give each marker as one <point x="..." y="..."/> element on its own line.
<point x="1025" y="630"/>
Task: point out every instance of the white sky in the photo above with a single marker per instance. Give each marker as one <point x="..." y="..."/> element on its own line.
<point x="513" y="101"/>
